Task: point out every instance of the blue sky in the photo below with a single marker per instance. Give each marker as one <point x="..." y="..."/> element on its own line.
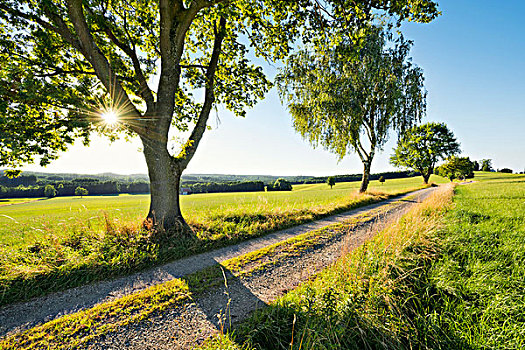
<point x="473" y="58"/>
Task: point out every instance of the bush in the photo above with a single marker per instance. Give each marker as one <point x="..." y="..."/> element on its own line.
<point x="506" y="170"/>
<point x="50" y="191"/>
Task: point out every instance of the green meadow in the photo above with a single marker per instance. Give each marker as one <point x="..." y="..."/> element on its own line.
<point x="449" y="275"/>
<point x="52" y="244"/>
<point x="29" y="220"/>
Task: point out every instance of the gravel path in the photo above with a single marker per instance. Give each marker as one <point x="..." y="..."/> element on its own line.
<point x="188" y="325"/>
<point x="25" y="315"/>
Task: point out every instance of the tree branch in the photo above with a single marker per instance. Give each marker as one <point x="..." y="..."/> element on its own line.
<point x="59" y="72"/>
<point x="60" y="28"/>
<point x="193" y="66"/>
<point x="101" y="64"/>
<point x="144" y="91"/>
<point x="191" y="146"/>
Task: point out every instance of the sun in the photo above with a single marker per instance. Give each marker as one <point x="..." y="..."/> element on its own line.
<point x="109" y="117"/>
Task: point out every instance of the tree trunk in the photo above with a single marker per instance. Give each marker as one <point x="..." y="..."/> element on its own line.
<point x="366" y="177"/>
<point x="164" y="174"/>
<point x="425" y="178"/>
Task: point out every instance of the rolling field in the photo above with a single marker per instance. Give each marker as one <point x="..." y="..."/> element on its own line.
<point x="30" y="221"/>
<point x="59" y="243"/>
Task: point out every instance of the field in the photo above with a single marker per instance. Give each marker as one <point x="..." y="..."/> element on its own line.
<point x="63" y="242"/>
<point x="447" y="276"/>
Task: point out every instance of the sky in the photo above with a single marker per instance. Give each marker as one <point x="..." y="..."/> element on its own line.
<point x="473" y="59"/>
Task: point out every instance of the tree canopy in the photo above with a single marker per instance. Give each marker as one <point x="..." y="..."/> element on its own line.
<point x="330" y="181"/>
<point x="456" y="168"/>
<point x="348" y="97"/>
<point x="421" y="147"/>
<point x="486" y="165"/>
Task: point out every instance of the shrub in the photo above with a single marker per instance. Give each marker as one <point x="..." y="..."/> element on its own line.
<point x="506" y="170"/>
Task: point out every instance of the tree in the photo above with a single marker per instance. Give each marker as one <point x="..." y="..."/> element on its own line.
<point x="347" y="98"/>
<point x="456" y="168"/>
<point x="486" y="165"/>
<point x="81" y="191"/>
<point x="72" y="67"/>
<point x="506" y="171"/>
<point x="330" y="181"/>
<point x="476" y="165"/>
<point x="382" y="180"/>
<point x="421" y="147"/>
<point x="281" y="185"/>
<point x="50" y="191"/>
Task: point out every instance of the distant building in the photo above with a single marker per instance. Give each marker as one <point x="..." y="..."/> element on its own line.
<point x="185" y="191"/>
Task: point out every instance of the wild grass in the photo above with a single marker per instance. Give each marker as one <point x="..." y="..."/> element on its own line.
<point x="367" y="300"/>
<point x="446" y="276"/>
<point x="77" y="329"/>
<point x="60" y="243"/>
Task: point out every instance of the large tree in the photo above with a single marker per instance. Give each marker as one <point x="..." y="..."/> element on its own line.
<point x="69" y="64"/>
<point x="420" y="148"/>
<point x="349" y="96"/>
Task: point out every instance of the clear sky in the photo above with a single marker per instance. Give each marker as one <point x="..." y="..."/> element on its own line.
<point x="473" y="58"/>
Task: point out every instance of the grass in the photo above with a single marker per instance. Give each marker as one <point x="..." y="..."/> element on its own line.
<point x="60" y="243"/>
<point x="447" y="276"/>
<point x="76" y="330"/>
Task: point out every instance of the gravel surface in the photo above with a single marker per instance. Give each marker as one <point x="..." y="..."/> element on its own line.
<point x="188" y="325"/>
<point x="25" y="315"/>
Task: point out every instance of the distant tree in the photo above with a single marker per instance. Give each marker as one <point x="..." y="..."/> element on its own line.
<point x="477" y="167"/>
<point x="456" y="168"/>
<point x="50" y="191"/>
<point x="81" y="191"/>
<point x="282" y="185"/>
<point x="330" y="181"/>
<point x="382" y="180"/>
<point x="506" y="170"/>
<point x="279" y="185"/>
<point x="348" y="99"/>
<point x="486" y="165"/>
<point x="423" y="146"/>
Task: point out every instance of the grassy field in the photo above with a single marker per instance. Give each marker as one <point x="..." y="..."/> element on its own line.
<point x="449" y="275"/>
<point x="27" y="223"/>
<point x="58" y="243"/>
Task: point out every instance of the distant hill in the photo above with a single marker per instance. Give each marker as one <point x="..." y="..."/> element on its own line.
<point x="189" y="179"/>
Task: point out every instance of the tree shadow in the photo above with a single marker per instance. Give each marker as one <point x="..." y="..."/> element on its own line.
<point x="229" y="302"/>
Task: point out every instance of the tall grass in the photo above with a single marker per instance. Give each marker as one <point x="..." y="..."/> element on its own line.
<point x="367" y="300"/>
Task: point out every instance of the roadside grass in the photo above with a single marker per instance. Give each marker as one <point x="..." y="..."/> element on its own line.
<point x="369" y="299"/>
<point x="482" y="269"/>
<point x="78" y="329"/>
<point x="446" y="276"/>
<point x="61" y="243"/>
